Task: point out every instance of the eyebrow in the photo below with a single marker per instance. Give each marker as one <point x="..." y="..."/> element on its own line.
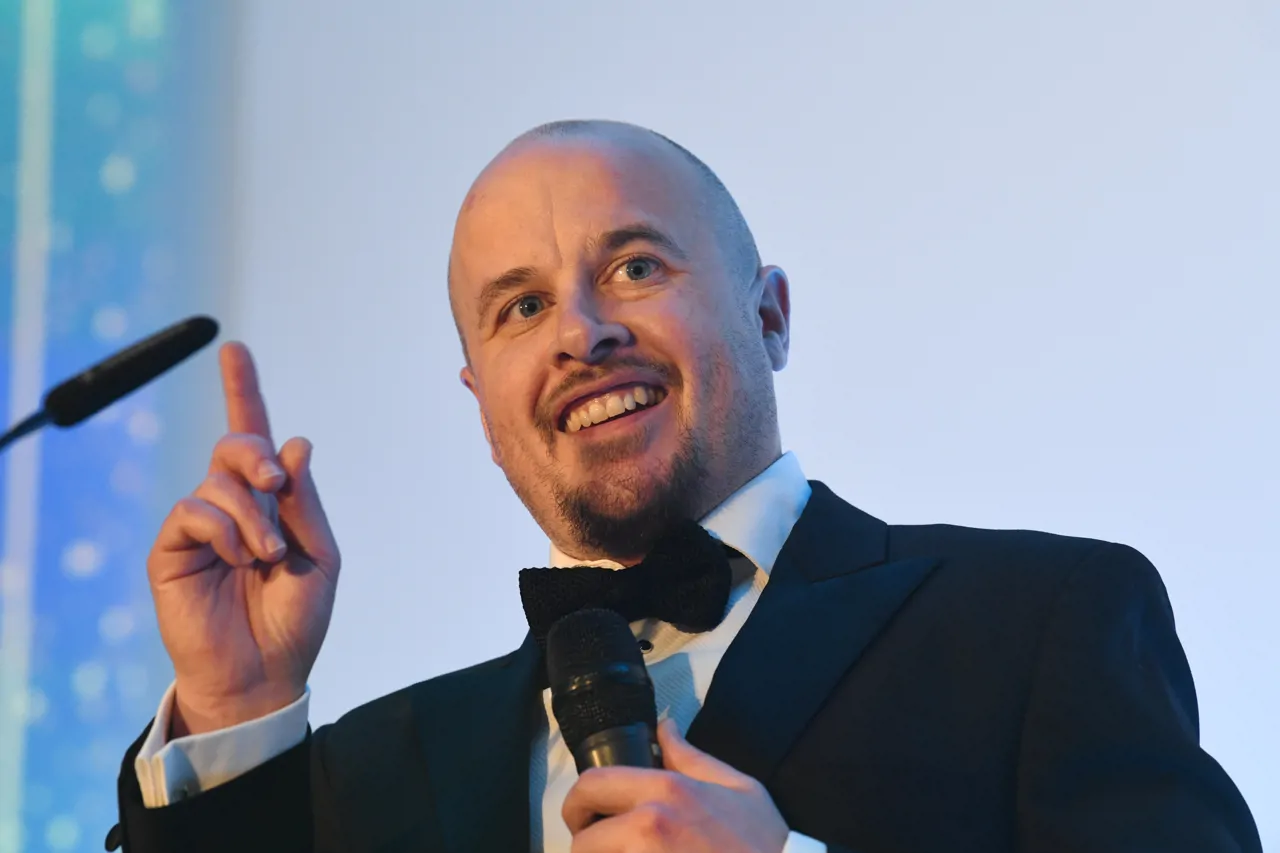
<point x="635" y="232"/>
<point x="512" y="279"/>
<point x="607" y="242"/>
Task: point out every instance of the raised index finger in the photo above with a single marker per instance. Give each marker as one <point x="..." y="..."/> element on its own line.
<point x="246" y="411"/>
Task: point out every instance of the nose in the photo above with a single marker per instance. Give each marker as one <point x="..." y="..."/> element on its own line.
<point x="585" y="332"/>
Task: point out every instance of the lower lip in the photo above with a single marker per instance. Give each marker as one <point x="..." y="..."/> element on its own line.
<point x="614" y="425"/>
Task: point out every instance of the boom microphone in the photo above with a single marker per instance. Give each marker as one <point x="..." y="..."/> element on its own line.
<point x="600" y="691"/>
<point x="93" y="390"/>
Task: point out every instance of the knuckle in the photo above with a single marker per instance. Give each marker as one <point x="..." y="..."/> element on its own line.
<point x="656" y="824"/>
<point x="228" y="445"/>
<point x="187" y="509"/>
<point x="222" y="495"/>
<point x="201" y="520"/>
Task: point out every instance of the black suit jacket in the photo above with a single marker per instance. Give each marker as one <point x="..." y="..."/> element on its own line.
<point x="896" y="688"/>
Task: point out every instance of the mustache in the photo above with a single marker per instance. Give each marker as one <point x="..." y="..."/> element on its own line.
<point x="548" y="410"/>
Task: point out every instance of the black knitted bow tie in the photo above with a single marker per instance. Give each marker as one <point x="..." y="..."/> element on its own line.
<point x="684" y="580"/>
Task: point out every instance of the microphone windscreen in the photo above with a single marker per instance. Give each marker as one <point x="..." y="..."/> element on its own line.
<point x="101" y="385"/>
<point x="597" y="675"/>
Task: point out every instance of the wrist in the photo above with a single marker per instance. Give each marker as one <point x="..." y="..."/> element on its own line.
<point x="195" y="715"/>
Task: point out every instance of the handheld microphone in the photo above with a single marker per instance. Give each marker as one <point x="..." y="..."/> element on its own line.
<point x="600" y="691"/>
<point x="93" y="390"/>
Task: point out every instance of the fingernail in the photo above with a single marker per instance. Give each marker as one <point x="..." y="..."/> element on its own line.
<point x="273" y="544"/>
<point x="269" y="470"/>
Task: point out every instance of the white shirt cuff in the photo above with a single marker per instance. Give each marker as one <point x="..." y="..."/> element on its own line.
<point x="181" y="768"/>
<point x="797" y="843"/>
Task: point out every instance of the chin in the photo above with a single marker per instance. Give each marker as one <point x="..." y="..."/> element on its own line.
<point x="626" y="488"/>
<point x="625" y="508"/>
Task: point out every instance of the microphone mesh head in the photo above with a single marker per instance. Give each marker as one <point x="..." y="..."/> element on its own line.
<point x="597" y="648"/>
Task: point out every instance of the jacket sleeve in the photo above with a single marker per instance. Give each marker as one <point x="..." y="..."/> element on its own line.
<point x="168" y="767"/>
<point x="1110" y="754"/>
<point x="267" y="810"/>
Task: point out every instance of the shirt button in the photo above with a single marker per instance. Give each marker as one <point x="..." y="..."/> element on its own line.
<point x="646" y="646"/>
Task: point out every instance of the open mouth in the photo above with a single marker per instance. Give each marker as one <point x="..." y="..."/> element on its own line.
<point x="611" y="405"/>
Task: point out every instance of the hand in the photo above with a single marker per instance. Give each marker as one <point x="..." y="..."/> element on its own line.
<point x="243" y="571"/>
<point x="697" y="803"/>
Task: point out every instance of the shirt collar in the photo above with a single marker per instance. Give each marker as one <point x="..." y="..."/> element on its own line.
<point x="755" y="520"/>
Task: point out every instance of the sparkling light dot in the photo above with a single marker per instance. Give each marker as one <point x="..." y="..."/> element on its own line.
<point x="116" y="624"/>
<point x="82" y="559"/>
<point x="110" y="323"/>
<point x="62" y="833"/>
<point x="37" y="706"/>
<point x="89" y="680"/>
<point x="146" y="19"/>
<point x="29" y="706"/>
<point x="98" y="41"/>
<point x="118" y="174"/>
<point x="144" y="426"/>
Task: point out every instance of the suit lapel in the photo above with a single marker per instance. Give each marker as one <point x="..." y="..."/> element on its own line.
<point x="476" y="727"/>
<point x="829" y="595"/>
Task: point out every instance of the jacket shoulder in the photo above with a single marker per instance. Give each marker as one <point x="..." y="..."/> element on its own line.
<point x="1023" y="547"/>
<point x="1025" y="568"/>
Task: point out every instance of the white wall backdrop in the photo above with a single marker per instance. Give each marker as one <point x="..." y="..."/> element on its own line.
<point x="1033" y="250"/>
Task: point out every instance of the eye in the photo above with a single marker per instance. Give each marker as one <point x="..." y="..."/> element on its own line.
<point x="527" y="306"/>
<point x="638" y="268"/>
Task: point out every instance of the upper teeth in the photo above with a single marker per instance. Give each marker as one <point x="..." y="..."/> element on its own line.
<point x="611" y="405"/>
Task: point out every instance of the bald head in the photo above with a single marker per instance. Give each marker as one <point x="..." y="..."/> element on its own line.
<point x="715" y="204"/>
<point x="732" y="231"/>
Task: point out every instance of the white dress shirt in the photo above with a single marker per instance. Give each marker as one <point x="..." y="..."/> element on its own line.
<point x="755" y="521"/>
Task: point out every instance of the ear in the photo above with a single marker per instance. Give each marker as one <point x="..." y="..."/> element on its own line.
<point x="774" y="313"/>
<point x="469" y="379"/>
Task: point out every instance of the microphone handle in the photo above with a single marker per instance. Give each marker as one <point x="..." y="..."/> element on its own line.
<point x="634" y="745"/>
<point x="28" y="425"/>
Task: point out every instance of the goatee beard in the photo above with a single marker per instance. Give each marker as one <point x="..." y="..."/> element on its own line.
<point x="632" y="532"/>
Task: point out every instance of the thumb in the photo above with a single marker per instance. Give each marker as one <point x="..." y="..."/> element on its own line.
<point x="683" y="757"/>
<point x="302" y="517"/>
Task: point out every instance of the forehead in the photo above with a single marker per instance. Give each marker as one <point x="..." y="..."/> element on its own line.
<point x="541" y="205"/>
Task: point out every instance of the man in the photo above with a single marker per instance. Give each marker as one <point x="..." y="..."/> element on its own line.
<point x="869" y="687"/>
